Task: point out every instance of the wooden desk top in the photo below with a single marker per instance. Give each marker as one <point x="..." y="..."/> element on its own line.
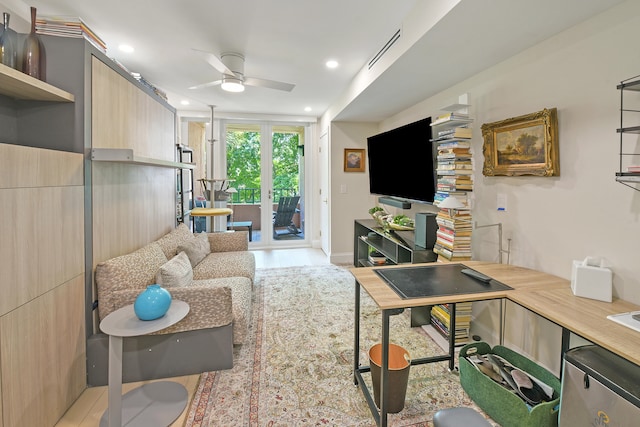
<point x="546" y="295"/>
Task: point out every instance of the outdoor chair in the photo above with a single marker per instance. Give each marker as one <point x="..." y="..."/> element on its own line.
<point x="283" y="217"/>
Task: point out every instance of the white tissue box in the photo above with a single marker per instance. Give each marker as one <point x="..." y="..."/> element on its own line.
<point x="591" y="281"/>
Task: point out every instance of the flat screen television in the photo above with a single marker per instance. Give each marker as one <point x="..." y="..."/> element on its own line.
<point x="402" y="163"/>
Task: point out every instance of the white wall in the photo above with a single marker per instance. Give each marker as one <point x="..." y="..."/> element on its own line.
<point x="584" y="211"/>
<point x="347" y="206"/>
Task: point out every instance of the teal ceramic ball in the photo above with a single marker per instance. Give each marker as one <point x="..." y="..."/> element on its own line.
<point x="152" y="303"/>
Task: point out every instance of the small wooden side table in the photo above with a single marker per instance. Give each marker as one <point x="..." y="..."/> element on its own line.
<point x="154" y="404"/>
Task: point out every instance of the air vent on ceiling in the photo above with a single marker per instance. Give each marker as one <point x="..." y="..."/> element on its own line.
<point x="385" y="48"/>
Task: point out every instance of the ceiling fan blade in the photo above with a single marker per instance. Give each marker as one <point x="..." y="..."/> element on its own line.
<point x="214" y="61"/>
<point x="271" y="84"/>
<point x="203" y="85"/>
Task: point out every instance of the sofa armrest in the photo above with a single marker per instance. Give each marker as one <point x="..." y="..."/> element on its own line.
<point x="229" y="242"/>
<point x="209" y="306"/>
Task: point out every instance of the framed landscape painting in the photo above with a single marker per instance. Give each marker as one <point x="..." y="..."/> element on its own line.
<point x="524" y="145"/>
<point x="354" y="160"/>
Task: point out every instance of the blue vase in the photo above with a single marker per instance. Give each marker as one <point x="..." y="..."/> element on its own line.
<point x="152" y="303"/>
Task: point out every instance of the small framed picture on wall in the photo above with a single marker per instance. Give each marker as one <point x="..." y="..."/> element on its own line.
<point x="354" y="160"/>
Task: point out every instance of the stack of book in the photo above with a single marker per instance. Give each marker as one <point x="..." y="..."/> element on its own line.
<point x="440" y="319"/>
<point x="69" y="26"/>
<point x="454" y="162"/>
<point x="453" y="237"/>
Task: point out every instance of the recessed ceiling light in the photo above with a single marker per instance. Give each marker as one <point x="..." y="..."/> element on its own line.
<point x="307" y="108"/>
<point x="332" y="64"/>
<point x="184" y="102"/>
<point x="126" y="48"/>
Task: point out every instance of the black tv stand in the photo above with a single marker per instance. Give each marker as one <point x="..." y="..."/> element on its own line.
<point x="397" y="203"/>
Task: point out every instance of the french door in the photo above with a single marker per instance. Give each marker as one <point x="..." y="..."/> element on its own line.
<point x="265" y="169"/>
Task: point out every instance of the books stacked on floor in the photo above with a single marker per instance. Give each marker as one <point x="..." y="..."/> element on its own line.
<point x="453" y="237"/>
<point x="69" y="26"/>
<point x="440" y="319"/>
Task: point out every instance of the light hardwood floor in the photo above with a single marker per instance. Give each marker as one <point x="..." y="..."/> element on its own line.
<point x="88" y="409"/>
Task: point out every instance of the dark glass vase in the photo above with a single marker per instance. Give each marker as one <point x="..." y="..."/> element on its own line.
<point x="33" y="55"/>
<point x="8" y="50"/>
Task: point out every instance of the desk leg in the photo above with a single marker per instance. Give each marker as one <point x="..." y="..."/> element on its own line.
<point x="384" y="369"/>
<point x="452" y="337"/>
<point x="115" y="381"/>
<point x="566" y="343"/>
<point x="356" y="334"/>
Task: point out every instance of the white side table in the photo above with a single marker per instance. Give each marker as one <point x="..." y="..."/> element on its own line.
<point x="154" y="404"/>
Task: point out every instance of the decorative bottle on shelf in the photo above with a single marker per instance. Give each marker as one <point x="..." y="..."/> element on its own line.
<point x="8" y="50"/>
<point x="33" y="55"/>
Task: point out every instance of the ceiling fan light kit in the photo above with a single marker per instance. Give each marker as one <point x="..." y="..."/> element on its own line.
<point x="232" y="84"/>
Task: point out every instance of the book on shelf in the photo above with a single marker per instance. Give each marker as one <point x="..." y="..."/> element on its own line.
<point x="441" y="195"/>
<point x="454" y="164"/>
<point x="450" y="238"/>
<point x="449" y="117"/>
<point x="451" y="254"/>
<point x="445" y="143"/>
<point x="454" y="233"/>
<point x="68" y="26"/>
<point x="450" y="183"/>
<point x="461" y="179"/>
<point x="376" y="258"/>
<point x="463" y="316"/>
<point x="454" y="171"/>
<point x="454" y="187"/>
<point x="456" y="132"/>
<point x="454" y="153"/>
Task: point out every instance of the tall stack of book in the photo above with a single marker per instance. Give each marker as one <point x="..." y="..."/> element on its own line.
<point x="441" y="317"/>
<point x="454" y="162"/>
<point x="69" y="26"/>
<point x="453" y="237"/>
<point x="452" y="135"/>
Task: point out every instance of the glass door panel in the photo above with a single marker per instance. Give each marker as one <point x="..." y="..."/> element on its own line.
<point x="244" y="171"/>
<point x="287" y="155"/>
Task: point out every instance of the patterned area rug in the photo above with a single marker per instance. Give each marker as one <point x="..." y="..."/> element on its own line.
<point x="296" y="367"/>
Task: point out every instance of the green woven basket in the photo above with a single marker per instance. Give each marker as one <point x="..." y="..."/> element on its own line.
<point x="501" y="405"/>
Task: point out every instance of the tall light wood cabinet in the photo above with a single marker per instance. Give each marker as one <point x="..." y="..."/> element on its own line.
<point x="63" y="213"/>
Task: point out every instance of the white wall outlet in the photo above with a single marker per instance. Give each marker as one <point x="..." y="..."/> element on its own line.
<point x="501" y="200"/>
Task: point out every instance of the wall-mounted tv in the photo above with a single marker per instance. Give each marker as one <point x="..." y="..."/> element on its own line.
<point x="402" y="162"/>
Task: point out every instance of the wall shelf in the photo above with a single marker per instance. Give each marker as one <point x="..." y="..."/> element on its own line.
<point x="125" y="155"/>
<point x="18" y="85"/>
<point x="629" y="156"/>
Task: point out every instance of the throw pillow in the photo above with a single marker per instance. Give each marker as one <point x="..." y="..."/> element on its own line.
<point x="196" y="249"/>
<point x="176" y="272"/>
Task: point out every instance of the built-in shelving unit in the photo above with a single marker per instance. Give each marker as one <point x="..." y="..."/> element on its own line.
<point x="397" y="248"/>
<point x="629" y="169"/>
<point x="18" y="85"/>
<point x="125" y="155"/>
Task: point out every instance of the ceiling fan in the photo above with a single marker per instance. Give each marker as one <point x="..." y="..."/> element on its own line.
<point x="231" y="65"/>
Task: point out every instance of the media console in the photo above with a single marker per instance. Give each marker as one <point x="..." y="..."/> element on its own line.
<point x="398" y="247"/>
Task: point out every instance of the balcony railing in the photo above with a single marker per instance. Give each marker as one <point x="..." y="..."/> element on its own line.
<point x="251" y="196"/>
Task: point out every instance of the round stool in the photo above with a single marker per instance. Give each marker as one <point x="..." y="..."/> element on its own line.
<point x="459" y="417"/>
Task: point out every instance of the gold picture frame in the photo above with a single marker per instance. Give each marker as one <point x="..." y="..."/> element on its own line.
<point x="524" y="145"/>
<point x="354" y="160"/>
